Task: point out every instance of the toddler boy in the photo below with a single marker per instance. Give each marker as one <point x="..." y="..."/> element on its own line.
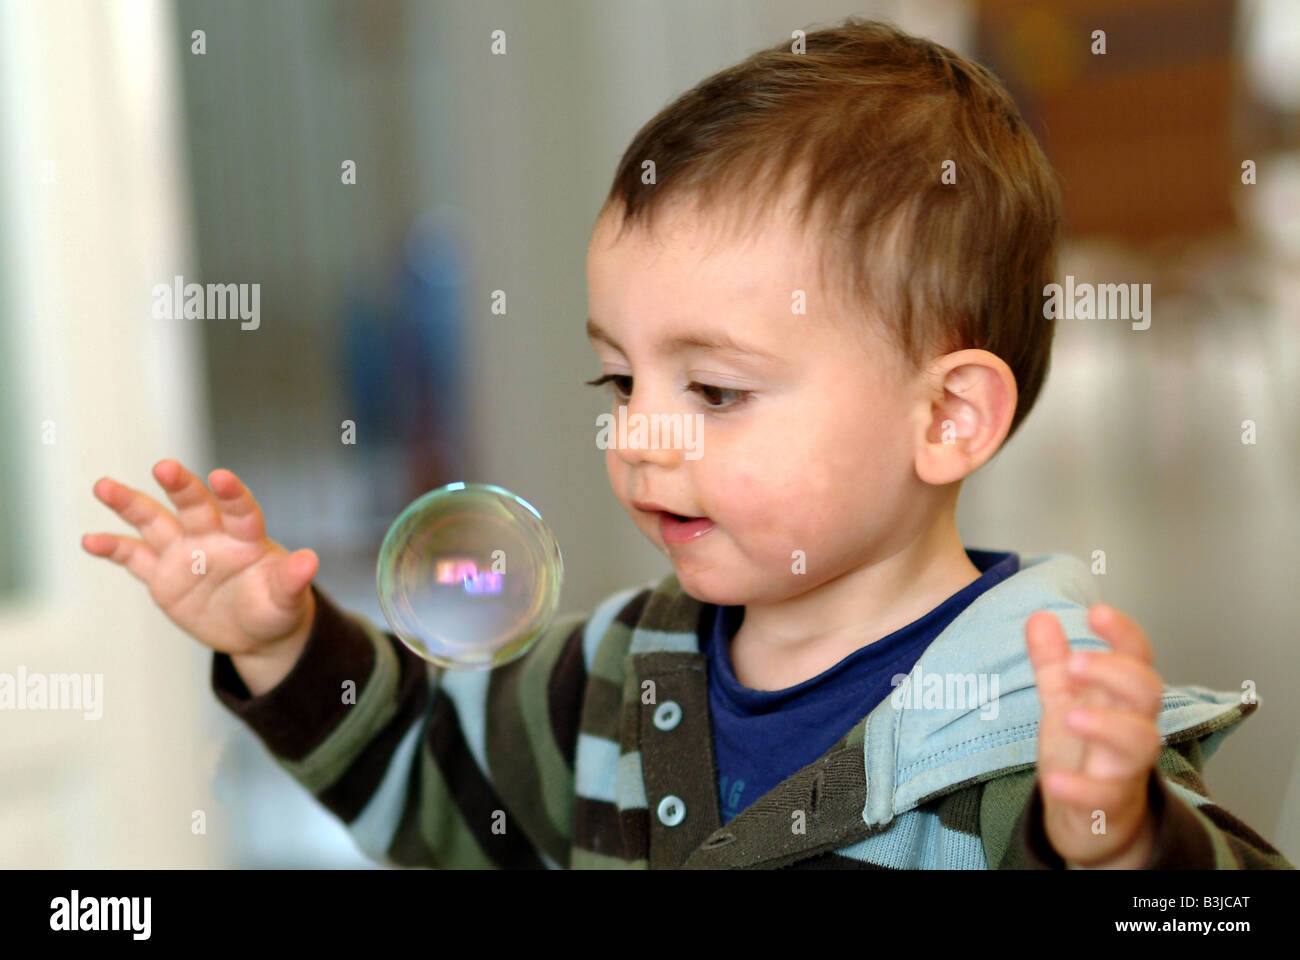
<point x="832" y="260"/>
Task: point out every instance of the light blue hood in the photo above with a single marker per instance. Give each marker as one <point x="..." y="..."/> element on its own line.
<point x="913" y="754"/>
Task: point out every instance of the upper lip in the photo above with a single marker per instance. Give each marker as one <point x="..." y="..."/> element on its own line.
<point x="652" y="507"/>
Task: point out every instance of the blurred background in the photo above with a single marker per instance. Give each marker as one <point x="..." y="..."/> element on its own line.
<point x="131" y="156"/>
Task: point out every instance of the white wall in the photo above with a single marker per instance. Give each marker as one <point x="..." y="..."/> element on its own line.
<point x="90" y="87"/>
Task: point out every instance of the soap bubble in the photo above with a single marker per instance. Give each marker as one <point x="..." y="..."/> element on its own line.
<point x="469" y="576"/>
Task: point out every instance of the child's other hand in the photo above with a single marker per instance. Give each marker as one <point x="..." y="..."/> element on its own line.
<point x="1097" y="739"/>
<point x="244" y="594"/>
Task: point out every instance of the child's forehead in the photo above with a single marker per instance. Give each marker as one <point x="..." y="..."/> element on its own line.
<point x="762" y="336"/>
<point x="722" y="262"/>
<point x="760" y="257"/>
<point x="714" y="219"/>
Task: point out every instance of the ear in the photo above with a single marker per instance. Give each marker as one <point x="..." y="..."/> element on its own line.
<point x="966" y="412"/>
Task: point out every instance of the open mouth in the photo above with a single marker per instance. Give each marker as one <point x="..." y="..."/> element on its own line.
<point x="675" y="528"/>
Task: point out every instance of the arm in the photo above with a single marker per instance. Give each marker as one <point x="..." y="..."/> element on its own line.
<point x="458" y="769"/>
<point x="426" y="767"/>
<point x="1192" y="832"/>
<point x="1100" y="754"/>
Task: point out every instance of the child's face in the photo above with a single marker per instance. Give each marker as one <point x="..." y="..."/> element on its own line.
<point x="817" y="458"/>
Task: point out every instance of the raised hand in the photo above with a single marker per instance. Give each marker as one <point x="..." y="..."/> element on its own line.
<point x="210" y="566"/>
<point x="1097" y="739"/>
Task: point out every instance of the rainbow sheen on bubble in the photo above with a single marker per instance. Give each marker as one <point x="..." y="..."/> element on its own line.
<point x="469" y="576"/>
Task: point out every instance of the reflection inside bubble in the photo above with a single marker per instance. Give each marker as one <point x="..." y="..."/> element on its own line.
<point x="469" y="575"/>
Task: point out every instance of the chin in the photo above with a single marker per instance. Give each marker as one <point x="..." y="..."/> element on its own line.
<point x="715" y="585"/>
<point x="705" y="587"/>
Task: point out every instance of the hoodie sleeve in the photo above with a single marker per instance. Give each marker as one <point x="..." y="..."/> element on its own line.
<point x="426" y="767"/>
<point x="1192" y="831"/>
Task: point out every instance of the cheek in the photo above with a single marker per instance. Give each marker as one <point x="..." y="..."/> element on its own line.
<point x="739" y="494"/>
<point x="616" y="468"/>
<point x="774" y="506"/>
<point x="864" y="447"/>
<point x="801" y="484"/>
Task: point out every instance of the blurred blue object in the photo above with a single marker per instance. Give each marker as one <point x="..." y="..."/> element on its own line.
<point x="405" y="362"/>
<point x="430" y="359"/>
<point x="367" y="332"/>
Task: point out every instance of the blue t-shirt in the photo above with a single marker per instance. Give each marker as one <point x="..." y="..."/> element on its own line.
<point x="761" y="737"/>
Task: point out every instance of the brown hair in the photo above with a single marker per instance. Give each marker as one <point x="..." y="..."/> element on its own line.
<point x="869" y="115"/>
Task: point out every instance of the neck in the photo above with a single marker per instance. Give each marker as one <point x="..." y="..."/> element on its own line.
<point x="783" y="644"/>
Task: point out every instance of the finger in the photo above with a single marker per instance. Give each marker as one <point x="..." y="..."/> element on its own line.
<point x="1130" y="736"/>
<point x="1087" y="793"/>
<point x="155" y="523"/>
<point x="291" y="575"/>
<point x="240" y="515"/>
<point x="1129" y="681"/>
<point x="1048" y="652"/>
<point x="195" y="506"/>
<point x="1121" y="632"/>
<point x="126" y="552"/>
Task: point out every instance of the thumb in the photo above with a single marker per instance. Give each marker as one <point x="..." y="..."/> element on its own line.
<point x="1049" y="651"/>
<point x="291" y="576"/>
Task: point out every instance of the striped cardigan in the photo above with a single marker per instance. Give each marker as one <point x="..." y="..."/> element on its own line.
<point x="572" y="755"/>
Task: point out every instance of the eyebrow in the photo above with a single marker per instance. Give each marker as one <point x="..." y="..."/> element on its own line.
<point x="716" y="343"/>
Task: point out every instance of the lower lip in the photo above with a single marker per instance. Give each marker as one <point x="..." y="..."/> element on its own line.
<point x="683" y="531"/>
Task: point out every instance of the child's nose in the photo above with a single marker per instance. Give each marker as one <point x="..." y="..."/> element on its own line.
<point x="646" y="435"/>
<point x="647" y="446"/>
<point x="666" y="458"/>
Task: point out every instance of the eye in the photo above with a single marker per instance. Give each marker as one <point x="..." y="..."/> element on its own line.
<point x="716" y="397"/>
<point x="615" y="379"/>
